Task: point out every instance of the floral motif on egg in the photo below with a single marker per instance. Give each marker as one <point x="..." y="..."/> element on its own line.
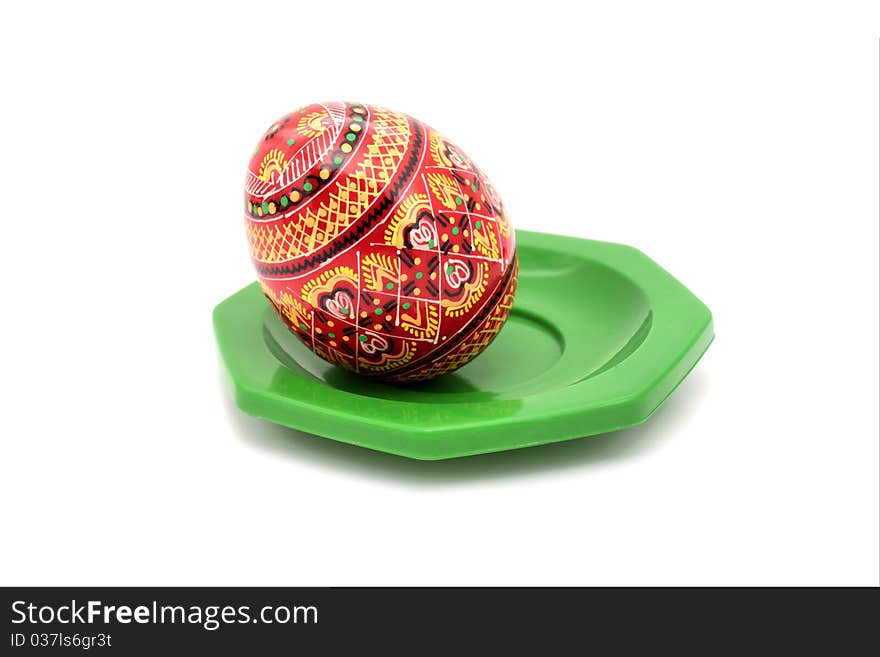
<point x="379" y="243"/>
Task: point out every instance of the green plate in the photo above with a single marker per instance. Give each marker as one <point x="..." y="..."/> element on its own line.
<point x="598" y="337"/>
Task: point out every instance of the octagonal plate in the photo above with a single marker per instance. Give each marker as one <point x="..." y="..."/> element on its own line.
<point x="598" y="337"/>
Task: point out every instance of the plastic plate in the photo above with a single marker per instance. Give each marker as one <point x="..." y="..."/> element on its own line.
<point x="598" y="337"/>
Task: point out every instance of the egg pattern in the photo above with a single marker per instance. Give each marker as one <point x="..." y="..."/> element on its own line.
<point x="379" y="243"/>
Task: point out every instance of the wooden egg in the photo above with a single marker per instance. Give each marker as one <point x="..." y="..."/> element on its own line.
<point x="378" y="241"/>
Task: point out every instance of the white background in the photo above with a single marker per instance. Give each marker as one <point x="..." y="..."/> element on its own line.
<point x="735" y="143"/>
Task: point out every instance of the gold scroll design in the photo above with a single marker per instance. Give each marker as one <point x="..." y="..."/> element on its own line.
<point x="484" y="240"/>
<point x="272" y="164"/>
<point x="438" y="150"/>
<point x="406" y="215"/>
<point x="314" y="124"/>
<point x="471" y="294"/>
<point x="421" y="320"/>
<point x="377" y="270"/>
<point x="388" y="361"/>
<point x="317" y="224"/>
<point x="444" y="188"/>
<point x="446" y="154"/>
<point x="288" y="307"/>
<point x="326" y="284"/>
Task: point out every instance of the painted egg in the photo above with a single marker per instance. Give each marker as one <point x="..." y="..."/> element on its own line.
<point x="379" y="243"/>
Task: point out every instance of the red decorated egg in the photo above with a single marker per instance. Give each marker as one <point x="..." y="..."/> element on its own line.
<point x="379" y="243"/>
